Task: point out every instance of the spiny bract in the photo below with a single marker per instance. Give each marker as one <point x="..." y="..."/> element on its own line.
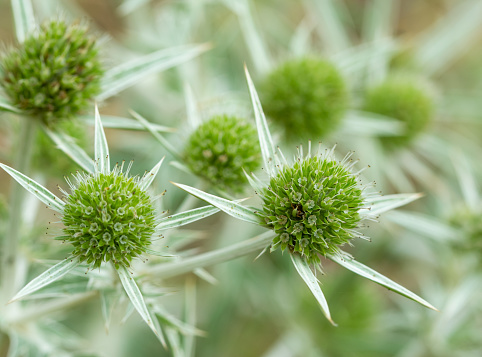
<point x="313" y="206"/>
<point x="221" y="148"/>
<point x="54" y="73"/>
<point x="307" y="97"/>
<point x="107" y="217"/>
<point x="404" y="100"/>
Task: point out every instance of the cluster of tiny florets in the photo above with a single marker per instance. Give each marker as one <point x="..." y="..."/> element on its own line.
<point x="107" y="217"/>
<point x="313" y="206"/>
<point x="54" y="73"/>
<point x="306" y="97"/>
<point x="221" y="148"/>
<point x="404" y="100"/>
<point x="468" y="221"/>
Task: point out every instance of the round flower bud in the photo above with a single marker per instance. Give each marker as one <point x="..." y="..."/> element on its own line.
<point x="94" y="226"/>
<point x="220" y="149"/>
<point x="405" y="101"/>
<point x="307" y="97"/>
<point x="468" y="221"/>
<point x="49" y="159"/>
<point x="54" y="73"/>
<point x="313" y="206"/>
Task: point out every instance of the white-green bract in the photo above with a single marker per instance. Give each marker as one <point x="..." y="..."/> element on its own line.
<point x="113" y="240"/>
<point x="274" y="167"/>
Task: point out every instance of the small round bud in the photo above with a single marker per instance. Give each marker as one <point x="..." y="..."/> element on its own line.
<point x="322" y="211"/>
<point x="307" y="97"/>
<point x="110" y="236"/>
<point x="54" y="73"/>
<point x="405" y="101"/>
<point x="221" y="148"/>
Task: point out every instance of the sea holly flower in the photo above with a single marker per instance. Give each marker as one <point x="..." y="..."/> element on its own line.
<point x="54" y="73"/>
<point x="314" y="206"/>
<point x="108" y="217"/>
<point x="220" y="148"/>
<point x="306" y="96"/>
<point x="403" y="100"/>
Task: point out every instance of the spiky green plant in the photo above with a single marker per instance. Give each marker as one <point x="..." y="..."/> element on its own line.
<point x="404" y="100"/>
<point x="307" y="97"/>
<point x="54" y="73"/>
<point x="220" y="148"/>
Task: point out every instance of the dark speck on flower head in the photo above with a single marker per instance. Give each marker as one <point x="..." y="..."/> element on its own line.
<point x="313" y="206"/>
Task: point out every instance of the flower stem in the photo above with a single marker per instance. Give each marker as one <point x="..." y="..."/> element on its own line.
<point x="237" y="250"/>
<point x="8" y="281"/>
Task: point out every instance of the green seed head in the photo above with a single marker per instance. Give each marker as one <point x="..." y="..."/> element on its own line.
<point x="54" y="73"/>
<point x="49" y="159"/>
<point x="313" y="206"/>
<point x="221" y="148"/>
<point x="108" y="218"/>
<point x="405" y="101"/>
<point x="469" y="223"/>
<point x="307" y="97"/>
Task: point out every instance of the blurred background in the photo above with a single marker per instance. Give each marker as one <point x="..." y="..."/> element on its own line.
<point x="261" y="307"/>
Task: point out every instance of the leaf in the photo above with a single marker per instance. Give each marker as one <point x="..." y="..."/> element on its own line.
<point x="205" y="275"/>
<point x="102" y="160"/>
<point x="181" y="219"/>
<point x="441" y="44"/>
<point x="24" y="18"/>
<point x="147" y="179"/>
<point x="127" y="74"/>
<point x="108" y="298"/>
<point x="115" y="122"/>
<point x="370" y="124"/>
<point x="310" y="280"/>
<point x="232" y="208"/>
<point x="6" y="106"/>
<point x="71" y="149"/>
<point x="330" y="27"/>
<point x="385" y="203"/>
<point x="265" y="140"/>
<point x="362" y="270"/>
<point x="47" y="277"/>
<point x="191" y="108"/>
<point x="36" y="189"/>
<point x="148" y="126"/>
<point x="137" y="300"/>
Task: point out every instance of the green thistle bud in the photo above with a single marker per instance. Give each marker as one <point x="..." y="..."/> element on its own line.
<point x="221" y="148"/>
<point x="47" y="158"/>
<point x="54" y="73"/>
<point x="405" y="101"/>
<point x="307" y="97"/>
<point x="108" y="218"/>
<point x="468" y="222"/>
<point x="313" y="206"/>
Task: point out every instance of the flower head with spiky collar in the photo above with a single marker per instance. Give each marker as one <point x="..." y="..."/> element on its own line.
<point x="312" y="206"/>
<point x="54" y="73"/>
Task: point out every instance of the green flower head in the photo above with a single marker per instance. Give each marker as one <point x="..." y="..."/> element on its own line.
<point x="307" y="97"/>
<point x="221" y="148"/>
<point x="313" y="206"/>
<point x="108" y="217"/>
<point x="54" y="73"/>
<point x="404" y="100"/>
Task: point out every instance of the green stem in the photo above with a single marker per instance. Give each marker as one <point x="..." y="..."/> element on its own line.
<point x="187" y="265"/>
<point x="8" y="280"/>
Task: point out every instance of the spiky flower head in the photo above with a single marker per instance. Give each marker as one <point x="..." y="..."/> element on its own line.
<point x="307" y="97"/>
<point x="221" y="148"/>
<point x="54" y="73"/>
<point x="108" y="217"/>
<point x="404" y="100"/>
<point x="313" y="205"/>
<point x="467" y="221"/>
